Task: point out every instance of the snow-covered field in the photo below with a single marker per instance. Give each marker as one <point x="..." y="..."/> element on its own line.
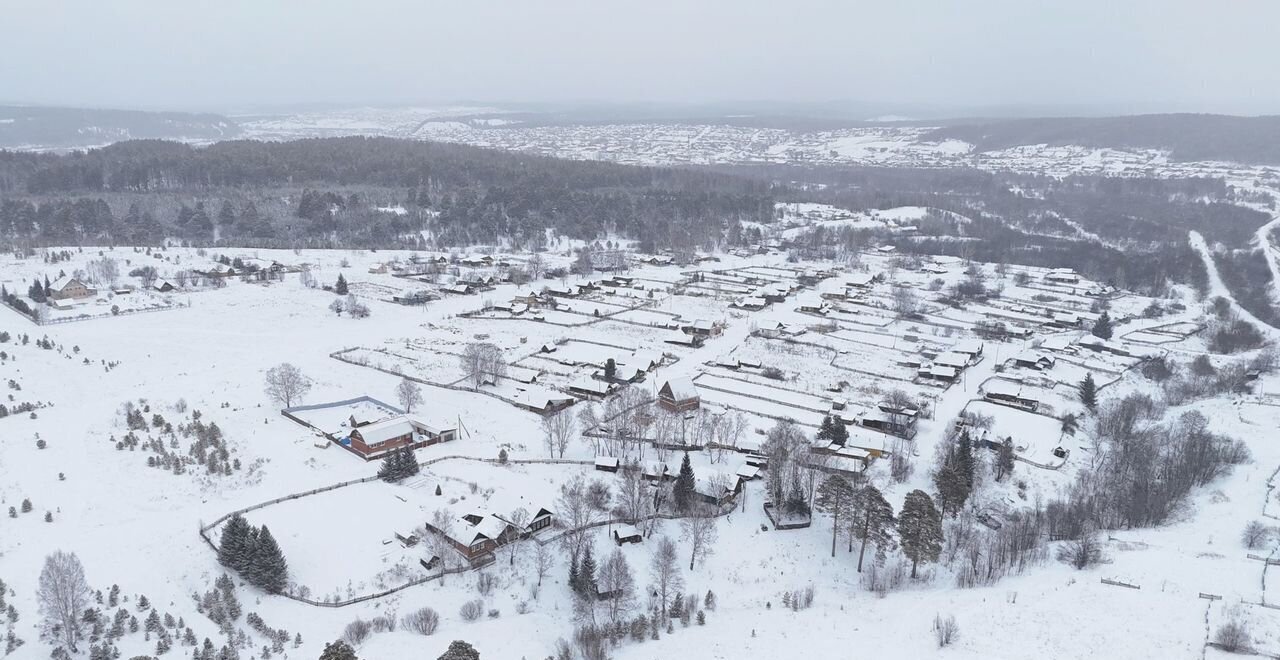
<point x="137" y="526"/>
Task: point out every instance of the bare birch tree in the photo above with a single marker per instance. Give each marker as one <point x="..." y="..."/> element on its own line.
<point x="63" y="595"/>
<point x="700" y="533"/>
<point x="664" y="572"/>
<point x="286" y="384"/>
<point x="410" y="394"/>
<point x="559" y="429"/>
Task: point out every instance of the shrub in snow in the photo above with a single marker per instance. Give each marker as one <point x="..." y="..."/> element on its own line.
<point x="357" y="631"/>
<point x="1255" y="535"/>
<point x="945" y="630"/>
<point x="1233" y="637"/>
<point x="424" y="621"/>
<point x="471" y="610"/>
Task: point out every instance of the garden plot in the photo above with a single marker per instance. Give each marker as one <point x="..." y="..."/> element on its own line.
<point x="766" y="393"/>
<point x="589" y="307"/>
<point x="335" y="419"/>
<point x="431" y="367"/>
<point x="362" y="556"/>
<point x="1034" y="436"/>
<point x="648" y="317"/>
<point x="573" y="353"/>
<point x="754" y="406"/>
<point x="861" y="315"/>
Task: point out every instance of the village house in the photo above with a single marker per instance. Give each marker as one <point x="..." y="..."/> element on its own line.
<point x="591" y="389"/>
<point x="1008" y="393"/>
<point x="1034" y="360"/>
<point x="701" y="328"/>
<point x="716" y="488"/>
<point x="679" y="395"/>
<point x="542" y="401"/>
<point x="938" y="372"/>
<point x="751" y="303"/>
<point x="375" y="439"/>
<point x="894" y="420"/>
<point x="607" y="463"/>
<point x="70" y="288"/>
<point x="686" y="340"/>
<point x="1062" y="276"/>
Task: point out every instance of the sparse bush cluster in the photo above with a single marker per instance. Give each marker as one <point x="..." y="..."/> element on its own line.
<point x="205" y="445"/>
<point x="423" y="621"/>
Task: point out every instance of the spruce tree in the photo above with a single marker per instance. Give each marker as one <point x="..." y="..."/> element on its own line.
<point x="683" y="491"/>
<point x="458" y="650"/>
<point x="269" y="569"/>
<point x="574" y="576"/>
<point x="338" y="650"/>
<point x="587" y="574"/>
<point x="1089" y="392"/>
<point x="340" y="287"/>
<point x="1102" y="327"/>
<point x="233" y="547"/>
<point x="410" y="462"/>
<point x="391" y="469"/>
<point x="920" y="529"/>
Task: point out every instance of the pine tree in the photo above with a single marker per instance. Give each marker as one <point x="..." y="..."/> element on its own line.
<point x="710" y="601"/>
<point x="233" y="547"/>
<point x="871" y="522"/>
<point x="683" y="491"/>
<point x="1089" y="392"/>
<point x="340" y="287"/>
<point x="835" y="496"/>
<point x="268" y="568"/>
<point x="1102" y="327"/>
<point x="920" y="529"/>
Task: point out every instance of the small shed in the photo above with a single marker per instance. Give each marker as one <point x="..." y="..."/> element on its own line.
<point x="607" y="463"/>
<point x="626" y="534"/>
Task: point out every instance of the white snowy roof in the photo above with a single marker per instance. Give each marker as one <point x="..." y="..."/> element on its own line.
<point x="392" y="428"/>
<point x="590" y="385"/>
<point x="62" y="282"/>
<point x="681" y="388"/>
<point x="950" y="359"/>
<point x="646" y="359"/>
<point x="626" y="531"/>
<point x="968" y="346"/>
<point x="607" y="461"/>
<point x="1001" y="387"/>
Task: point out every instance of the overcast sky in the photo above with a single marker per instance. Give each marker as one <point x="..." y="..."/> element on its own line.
<point x="1117" y="55"/>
